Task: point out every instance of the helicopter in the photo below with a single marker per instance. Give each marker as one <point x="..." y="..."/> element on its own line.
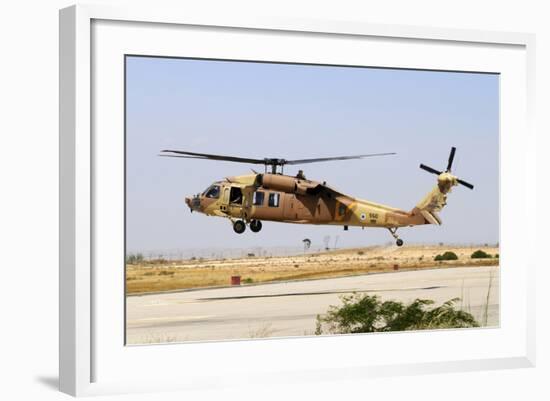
<point x="247" y="200"/>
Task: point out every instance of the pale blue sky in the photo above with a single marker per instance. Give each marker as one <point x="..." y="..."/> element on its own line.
<point x="301" y="111"/>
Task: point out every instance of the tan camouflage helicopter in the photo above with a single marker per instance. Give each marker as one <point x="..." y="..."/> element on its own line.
<point x="274" y="196"/>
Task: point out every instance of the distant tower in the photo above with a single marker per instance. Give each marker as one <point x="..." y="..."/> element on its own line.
<point x="307" y="244"/>
<point x="326" y="241"/>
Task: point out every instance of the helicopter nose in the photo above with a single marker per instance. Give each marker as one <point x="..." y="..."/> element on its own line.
<point x="194" y="203"/>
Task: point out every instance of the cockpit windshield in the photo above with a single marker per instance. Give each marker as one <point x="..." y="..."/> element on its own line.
<point x="212" y="191"/>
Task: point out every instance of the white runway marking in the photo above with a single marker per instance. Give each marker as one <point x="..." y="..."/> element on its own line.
<point x="174" y="319"/>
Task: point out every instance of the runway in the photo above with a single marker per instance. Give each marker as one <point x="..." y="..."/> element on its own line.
<point x="290" y="309"/>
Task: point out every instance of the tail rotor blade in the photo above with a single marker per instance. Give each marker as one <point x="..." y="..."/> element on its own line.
<point x="449" y="166"/>
<point x="466" y="184"/>
<point x="451" y="158"/>
<point x="429" y="169"/>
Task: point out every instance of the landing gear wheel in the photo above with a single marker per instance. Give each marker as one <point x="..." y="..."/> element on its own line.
<point x="398" y="241"/>
<point x="255" y="226"/>
<point x="239" y="226"/>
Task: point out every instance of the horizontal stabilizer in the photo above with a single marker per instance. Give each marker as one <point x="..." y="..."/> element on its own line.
<point x="431" y="217"/>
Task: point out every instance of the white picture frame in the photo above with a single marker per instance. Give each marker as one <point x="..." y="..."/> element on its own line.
<point x="86" y="350"/>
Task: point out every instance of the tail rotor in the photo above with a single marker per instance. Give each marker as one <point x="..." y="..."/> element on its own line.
<point x="447" y="171"/>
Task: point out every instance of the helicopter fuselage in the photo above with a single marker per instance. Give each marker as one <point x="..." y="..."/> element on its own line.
<point x="288" y="199"/>
<point x="253" y="198"/>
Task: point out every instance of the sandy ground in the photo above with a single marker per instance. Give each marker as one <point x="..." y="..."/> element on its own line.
<point x="162" y="275"/>
<point x="290" y="308"/>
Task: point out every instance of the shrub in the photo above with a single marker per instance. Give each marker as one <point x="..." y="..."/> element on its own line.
<point x="134" y="258"/>
<point x="366" y="314"/>
<point x="159" y="261"/>
<point x="360" y="253"/>
<point x="479" y="254"/>
<point x="446" y="256"/>
<point x="166" y="273"/>
<point x="248" y="280"/>
<point x="497" y="256"/>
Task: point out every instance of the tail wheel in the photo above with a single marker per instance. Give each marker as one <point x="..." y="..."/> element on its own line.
<point x="239" y="226"/>
<point x="255" y="225"/>
<point x="393" y="232"/>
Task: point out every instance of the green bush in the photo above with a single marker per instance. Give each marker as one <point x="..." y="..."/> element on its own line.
<point x="366" y="314"/>
<point x="134" y="258"/>
<point x="446" y="256"/>
<point x="248" y="280"/>
<point x="159" y="261"/>
<point x="166" y="273"/>
<point x="479" y="254"/>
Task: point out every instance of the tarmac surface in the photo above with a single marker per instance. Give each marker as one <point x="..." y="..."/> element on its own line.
<point x="290" y="308"/>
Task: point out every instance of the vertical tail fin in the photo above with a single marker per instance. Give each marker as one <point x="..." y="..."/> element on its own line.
<point x="436" y="199"/>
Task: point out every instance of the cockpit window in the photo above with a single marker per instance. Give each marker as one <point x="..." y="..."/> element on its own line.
<point x="213" y="192"/>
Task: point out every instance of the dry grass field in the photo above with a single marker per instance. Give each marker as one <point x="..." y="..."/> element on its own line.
<point x="163" y="275"/>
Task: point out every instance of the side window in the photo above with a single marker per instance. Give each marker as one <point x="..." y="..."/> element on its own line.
<point x="236" y="195"/>
<point x="274" y="199"/>
<point x="341" y="209"/>
<point x="258" y="198"/>
<point x="213" y="192"/>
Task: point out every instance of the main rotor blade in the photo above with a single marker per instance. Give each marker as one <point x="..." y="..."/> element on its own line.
<point x="466" y="184"/>
<point x="451" y="158"/>
<point x="194" y="155"/>
<point x="328" y="159"/>
<point x="429" y="169"/>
